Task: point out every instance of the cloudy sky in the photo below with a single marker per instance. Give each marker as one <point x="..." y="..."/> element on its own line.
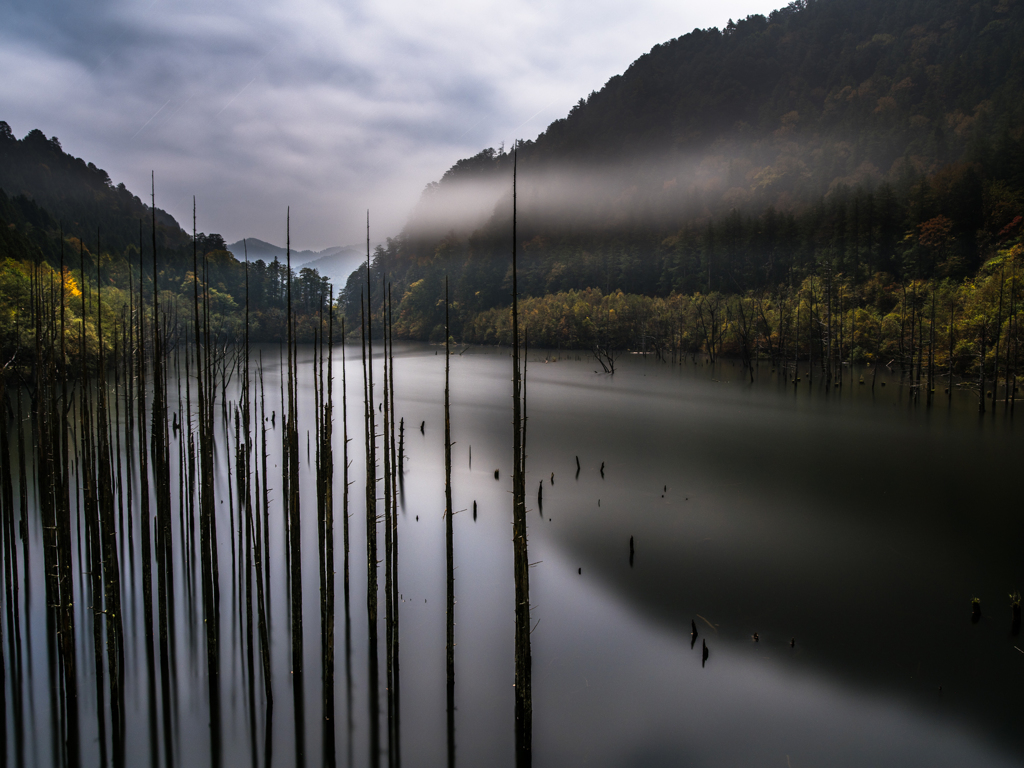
<point x="329" y="107"/>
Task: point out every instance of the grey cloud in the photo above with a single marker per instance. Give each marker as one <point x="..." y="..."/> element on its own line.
<point x="331" y="108"/>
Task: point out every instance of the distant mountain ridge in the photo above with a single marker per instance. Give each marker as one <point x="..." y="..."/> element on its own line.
<point x="261" y="249"/>
<point x="335" y="263"/>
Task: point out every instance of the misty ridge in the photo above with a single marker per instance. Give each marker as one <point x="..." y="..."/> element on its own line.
<point x="335" y="263"/>
<point x="779" y="111"/>
<point x="253" y="248"/>
<point x="658" y="192"/>
<point x="829" y="147"/>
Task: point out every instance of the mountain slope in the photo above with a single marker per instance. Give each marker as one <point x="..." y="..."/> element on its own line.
<point x="77" y="195"/>
<point x="818" y="138"/>
<point x="904" y="76"/>
<point x="260" y="249"/>
<point x="57" y="208"/>
<point x="775" y="110"/>
<point x="337" y="264"/>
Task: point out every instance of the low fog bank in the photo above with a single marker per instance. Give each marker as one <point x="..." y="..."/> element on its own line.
<point x="661" y="191"/>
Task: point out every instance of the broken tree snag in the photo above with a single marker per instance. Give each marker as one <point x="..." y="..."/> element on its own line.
<point x="605" y="357"/>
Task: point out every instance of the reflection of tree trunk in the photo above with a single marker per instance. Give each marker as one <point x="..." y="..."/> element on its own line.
<point x="767" y="326"/>
<point x="931" y="351"/>
<point x="842" y="340"/>
<point x="903" y="330"/>
<point x="1011" y="384"/>
<point x="921" y="373"/>
<point x="448" y="538"/>
<point x="999" y="338"/>
<point x="952" y="312"/>
<point x="746" y="332"/>
<point x="981" y="372"/>
<point x="709" y="325"/>
<point x="810" y="340"/>
<point x="796" y="343"/>
<point x="827" y="356"/>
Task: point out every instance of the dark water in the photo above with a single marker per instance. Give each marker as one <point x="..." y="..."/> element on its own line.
<point x="855" y="523"/>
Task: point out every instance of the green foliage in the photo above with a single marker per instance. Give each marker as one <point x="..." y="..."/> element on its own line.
<point x="905" y="323"/>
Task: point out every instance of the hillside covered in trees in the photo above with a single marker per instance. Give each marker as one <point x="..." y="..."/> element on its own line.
<point x="57" y="209"/>
<point x="744" y="190"/>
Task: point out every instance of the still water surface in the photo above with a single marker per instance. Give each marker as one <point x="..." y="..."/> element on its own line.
<point x="849" y="529"/>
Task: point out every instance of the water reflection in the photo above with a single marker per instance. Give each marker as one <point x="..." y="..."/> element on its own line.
<point x="862" y="524"/>
<point x="840" y="520"/>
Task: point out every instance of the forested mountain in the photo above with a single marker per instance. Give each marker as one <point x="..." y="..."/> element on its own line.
<point x="735" y="188"/>
<point x="260" y="249"/>
<point x="77" y="195"/>
<point x="55" y="207"/>
<point x="778" y="111"/>
<point x="893" y="79"/>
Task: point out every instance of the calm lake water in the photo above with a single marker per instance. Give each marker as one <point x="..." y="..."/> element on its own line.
<point x="849" y="529"/>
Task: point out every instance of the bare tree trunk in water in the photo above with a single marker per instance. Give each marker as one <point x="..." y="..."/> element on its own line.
<point x="524" y="704"/>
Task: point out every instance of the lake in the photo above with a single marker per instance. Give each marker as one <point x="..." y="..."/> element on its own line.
<point x="847" y="530"/>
